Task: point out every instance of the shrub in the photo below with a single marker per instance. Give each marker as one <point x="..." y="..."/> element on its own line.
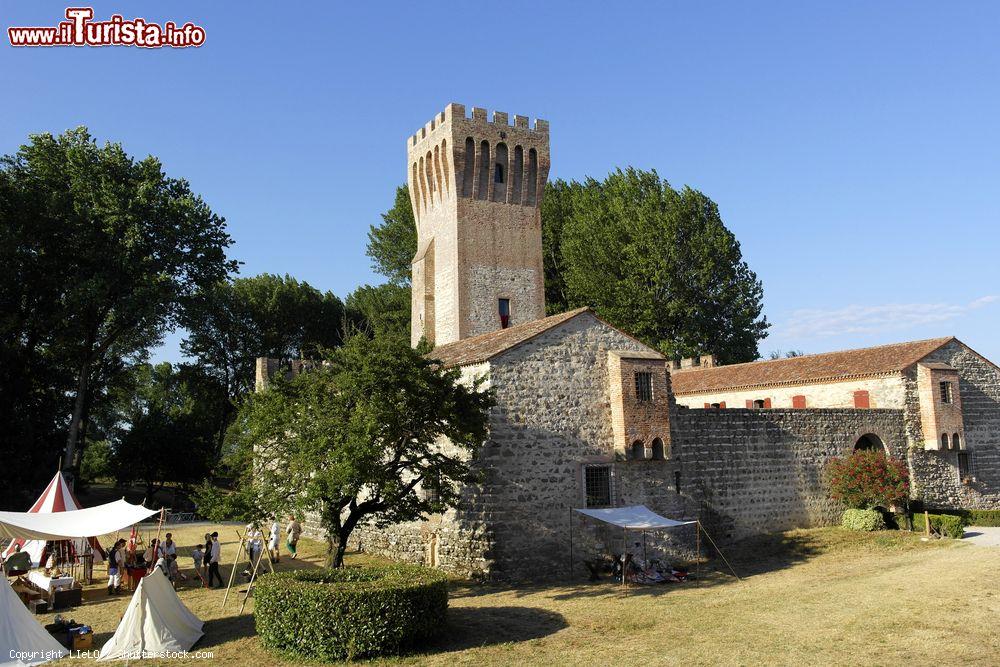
<point x="866" y="479"/>
<point x="350" y="612"/>
<point x="973" y="517"/>
<point x="947" y="525"/>
<point x="867" y="520"/>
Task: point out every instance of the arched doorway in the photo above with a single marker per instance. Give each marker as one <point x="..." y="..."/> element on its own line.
<point x="869" y="441"/>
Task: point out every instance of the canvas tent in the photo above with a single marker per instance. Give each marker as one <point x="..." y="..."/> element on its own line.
<point x="57" y="497"/>
<point x="634" y="517"/>
<point x="23" y="641"/>
<point x="97" y="520"/>
<point x="155" y="623"/>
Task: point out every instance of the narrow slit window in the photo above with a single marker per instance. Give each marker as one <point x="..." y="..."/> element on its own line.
<point x="963" y="465"/>
<point x="503" y="305"/>
<point x="945" y="388"/>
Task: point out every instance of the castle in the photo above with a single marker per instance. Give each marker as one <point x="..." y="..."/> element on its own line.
<point x="588" y="416"/>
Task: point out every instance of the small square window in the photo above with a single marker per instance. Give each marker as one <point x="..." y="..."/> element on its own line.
<point x="644" y="387"/>
<point x="945" y="388"/>
<point x="597" y="485"/>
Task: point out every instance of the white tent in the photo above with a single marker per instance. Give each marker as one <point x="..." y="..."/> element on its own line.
<point x="156" y="622"/>
<point x="22" y="640"/>
<point x="98" y="520"/>
<point x="634" y="517"/>
<point x="57" y="497"/>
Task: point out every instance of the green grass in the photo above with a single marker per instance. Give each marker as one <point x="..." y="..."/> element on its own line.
<point x="824" y="596"/>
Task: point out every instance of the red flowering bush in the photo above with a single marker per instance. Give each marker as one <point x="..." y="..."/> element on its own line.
<point x="867" y="478"/>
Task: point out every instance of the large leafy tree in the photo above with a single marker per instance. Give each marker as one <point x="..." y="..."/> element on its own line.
<point x="380" y="310"/>
<point x="392" y="244"/>
<point x="358" y="439"/>
<point x="99" y="252"/>
<point x="233" y="322"/>
<point x="161" y="426"/>
<point x="660" y="263"/>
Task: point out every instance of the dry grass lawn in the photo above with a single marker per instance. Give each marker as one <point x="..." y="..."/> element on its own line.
<point x="822" y="596"/>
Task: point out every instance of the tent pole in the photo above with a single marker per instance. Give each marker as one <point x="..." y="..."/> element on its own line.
<point x="570" y="543"/>
<point x="253" y="577"/>
<point x="158" y="527"/>
<point x="645" y="561"/>
<point x="232" y="575"/>
<point x="697" y="546"/>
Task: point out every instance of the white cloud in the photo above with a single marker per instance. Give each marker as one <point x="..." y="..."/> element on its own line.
<point x="873" y="319"/>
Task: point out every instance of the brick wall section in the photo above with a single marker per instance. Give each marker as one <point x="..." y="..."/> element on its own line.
<point x="756" y="471"/>
<point x="936" y="472"/>
<point x="634" y="420"/>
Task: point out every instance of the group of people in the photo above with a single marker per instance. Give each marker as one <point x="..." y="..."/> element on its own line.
<point x="206" y="557"/>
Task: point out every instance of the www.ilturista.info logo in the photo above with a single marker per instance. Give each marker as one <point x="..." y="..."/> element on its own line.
<point x="80" y="30"/>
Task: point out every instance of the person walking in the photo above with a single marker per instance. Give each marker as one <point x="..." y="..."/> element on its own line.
<point x="169" y="547"/>
<point x="116" y="561"/>
<point x="273" y="540"/>
<point x="208" y="556"/>
<point x="213" y="564"/>
<point x="293" y="531"/>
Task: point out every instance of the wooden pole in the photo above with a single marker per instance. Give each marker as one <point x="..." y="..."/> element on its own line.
<point x="149" y="568"/>
<point x="232" y="575"/>
<point x="253" y="577"/>
<point x="927" y="523"/>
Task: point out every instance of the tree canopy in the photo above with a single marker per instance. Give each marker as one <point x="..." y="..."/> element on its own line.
<point x="357" y="438"/>
<point x="98" y="254"/>
<point x="655" y="261"/>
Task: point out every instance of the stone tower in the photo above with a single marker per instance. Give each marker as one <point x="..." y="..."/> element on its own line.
<point x="476" y="188"/>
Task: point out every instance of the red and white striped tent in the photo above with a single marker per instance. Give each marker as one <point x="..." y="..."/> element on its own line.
<point x="57" y="497"/>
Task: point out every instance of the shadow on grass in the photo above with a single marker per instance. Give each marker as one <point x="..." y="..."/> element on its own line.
<point x="471" y="627"/>
<point x="221" y="630"/>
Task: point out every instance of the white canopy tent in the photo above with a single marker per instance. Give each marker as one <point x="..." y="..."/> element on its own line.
<point x="22" y="640"/>
<point x="156" y="622"/>
<point x="634" y="517"/>
<point x="98" y="520"/>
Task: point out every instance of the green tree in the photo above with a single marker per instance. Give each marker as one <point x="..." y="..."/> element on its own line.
<point x="231" y="323"/>
<point x="660" y="263"/>
<point x="357" y="439"/>
<point x="380" y="310"/>
<point x="557" y="208"/>
<point x="100" y="252"/>
<point x="392" y="244"/>
<point x="163" y="426"/>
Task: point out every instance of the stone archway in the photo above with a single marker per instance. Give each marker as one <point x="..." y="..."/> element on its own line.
<point x="870" y="441"/>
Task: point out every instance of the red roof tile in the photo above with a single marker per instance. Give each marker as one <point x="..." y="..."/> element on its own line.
<point x="866" y="362"/>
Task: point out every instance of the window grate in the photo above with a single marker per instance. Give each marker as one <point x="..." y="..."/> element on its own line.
<point x="644" y="387"/>
<point x="597" y="485"/>
<point x="945" y="389"/>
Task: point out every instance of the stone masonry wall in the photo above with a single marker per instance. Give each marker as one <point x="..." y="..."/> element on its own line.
<point x="757" y="471"/>
<point x="936" y="472"/>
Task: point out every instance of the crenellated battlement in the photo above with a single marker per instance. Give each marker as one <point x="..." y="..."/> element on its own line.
<point x="478" y="116"/>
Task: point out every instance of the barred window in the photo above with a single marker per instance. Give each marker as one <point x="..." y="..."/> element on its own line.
<point x="644" y="387"/>
<point x="432" y="488"/>
<point x="945" y="388"/>
<point x="963" y="465"/>
<point x="597" y="485"/>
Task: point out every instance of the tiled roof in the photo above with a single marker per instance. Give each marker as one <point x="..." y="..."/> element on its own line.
<point x="481" y="348"/>
<point x="866" y="362"/>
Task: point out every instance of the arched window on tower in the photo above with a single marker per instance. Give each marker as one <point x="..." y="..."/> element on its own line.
<point x="483" y="185"/>
<point x="469" y="169"/>
<point x="516" y="175"/>
<point x="532" y="184"/>
<point x="944" y="441"/>
<point x="500" y="173"/>
<point x="955" y="442"/>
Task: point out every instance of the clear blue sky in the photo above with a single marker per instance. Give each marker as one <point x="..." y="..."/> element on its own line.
<point x="853" y="147"/>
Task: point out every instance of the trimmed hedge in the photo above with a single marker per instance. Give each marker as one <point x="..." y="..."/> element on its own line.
<point x="974" y="517"/>
<point x="866" y="520"/>
<point x="351" y="612"/>
<point x="947" y="525"/>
